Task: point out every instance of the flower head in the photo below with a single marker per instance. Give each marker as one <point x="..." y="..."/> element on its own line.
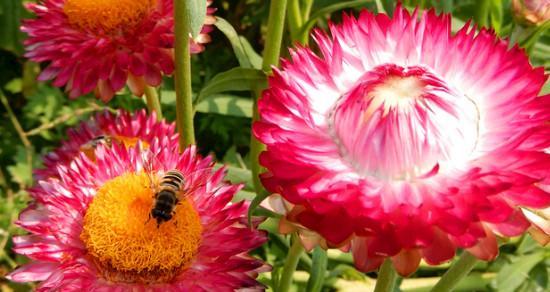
<point x="102" y="45"/>
<point x="402" y="140"/>
<point x="531" y="12"/>
<point x="122" y="128"/>
<point x="91" y="228"/>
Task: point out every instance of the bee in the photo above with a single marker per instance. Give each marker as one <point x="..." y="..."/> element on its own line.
<point x="169" y="188"/>
<point x="89" y="147"/>
<point x="167" y="195"/>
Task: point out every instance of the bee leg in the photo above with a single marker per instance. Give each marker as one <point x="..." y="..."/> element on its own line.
<point x="149" y="219"/>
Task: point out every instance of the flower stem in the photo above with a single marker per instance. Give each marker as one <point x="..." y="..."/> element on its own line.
<point x="290" y="264"/>
<point x="275" y="27"/>
<point x="184" y="92"/>
<point x="153" y="102"/>
<point x="294" y="18"/>
<point x="306" y="9"/>
<point x="386" y="277"/>
<point x="460" y="269"/>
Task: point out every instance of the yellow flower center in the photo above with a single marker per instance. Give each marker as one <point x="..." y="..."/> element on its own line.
<point x="125" y="243"/>
<point x="107" y="15"/>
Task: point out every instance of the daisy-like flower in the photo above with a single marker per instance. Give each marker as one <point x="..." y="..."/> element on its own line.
<point x="531" y="12"/>
<point x="101" y="45"/>
<point x="107" y="128"/>
<point x="402" y="140"/>
<point x="91" y="229"/>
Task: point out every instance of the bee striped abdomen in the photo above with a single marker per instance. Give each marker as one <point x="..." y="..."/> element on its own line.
<point x="172" y="179"/>
<point x="166" y="197"/>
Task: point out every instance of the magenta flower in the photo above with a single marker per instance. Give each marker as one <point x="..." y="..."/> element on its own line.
<point x="102" y="45"/>
<point x="122" y="128"/>
<point x="402" y="140"/>
<point x="90" y="229"/>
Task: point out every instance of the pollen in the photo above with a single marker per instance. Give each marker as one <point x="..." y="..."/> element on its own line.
<point x="109" y="16"/>
<point x="126" y="245"/>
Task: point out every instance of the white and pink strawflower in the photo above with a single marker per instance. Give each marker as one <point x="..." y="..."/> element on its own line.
<point x="403" y="140"/>
<point x="107" y="128"/>
<point x="100" y="46"/>
<point x="90" y="228"/>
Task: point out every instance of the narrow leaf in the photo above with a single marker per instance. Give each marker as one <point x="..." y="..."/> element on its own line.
<point x="236" y="79"/>
<point x="246" y="55"/>
<point x="328" y="10"/>
<point x="229" y="105"/>
<point x="196" y="9"/>
<point x="514" y="274"/>
<point x="318" y="270"/>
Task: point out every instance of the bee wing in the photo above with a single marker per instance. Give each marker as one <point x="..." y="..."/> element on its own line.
<point x="194" y="176"/>
<point x="147" y="158"/>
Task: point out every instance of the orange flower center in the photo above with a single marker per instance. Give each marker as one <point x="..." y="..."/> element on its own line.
<point x="126" y="246"/>
<point x="107" y="16"/>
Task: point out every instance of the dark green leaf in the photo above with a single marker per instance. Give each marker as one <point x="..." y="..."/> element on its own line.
<point x="244" y="52"/>
<point x="256" y="202"/>
<point x="10" y="20"/>
<point x="318" y="270"/>
<point x="328" y="10"/>
<point x="236" y="79"/>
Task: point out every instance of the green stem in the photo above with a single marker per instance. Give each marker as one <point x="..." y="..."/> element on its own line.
<point x="460" y="269"/>
<point x="290" y="264"/>
<point x="275" y="27"/>
<point x="184" y="92"/>
<point x="482" y="13"/>
<point x="294" y="18"/>
<point x="306" y="9"/>
<point x="153" y="101"/>
<point x="19" y="129"/>
<point x="386" y="277"/>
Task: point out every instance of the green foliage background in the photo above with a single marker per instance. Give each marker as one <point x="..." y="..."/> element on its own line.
<point x="35" y="116"/>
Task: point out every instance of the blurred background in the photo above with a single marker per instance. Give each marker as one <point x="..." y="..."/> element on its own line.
<point x="35" y="117"/>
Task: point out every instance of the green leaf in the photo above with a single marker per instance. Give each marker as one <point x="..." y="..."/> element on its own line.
<point x="21" y="171"/>
<point x="246" y="55"/>
<point x="512" y="275"/>
<point x="496" y="15"/>
<point x="236" y="79"/>
<point x="318" y="270"/>
<point x="244" y="195"/>
<point x="238" y="175"/>
<point x="545" y="88"/>
<point x="260" y="197"/>
<point x="196" y="9"/>
<point x="532" y="39"/>
<point x="226" y="104"/>
<point x="328" y="10"/>
<point x="10" y="20"/>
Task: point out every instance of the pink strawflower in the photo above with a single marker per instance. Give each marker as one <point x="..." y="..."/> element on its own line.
<point x="121" y="128"/>
<point x="531" y="12"/>
<point x="91" y="230"/>
<point x="102" y="45"/>
<point x="402" y="140"/>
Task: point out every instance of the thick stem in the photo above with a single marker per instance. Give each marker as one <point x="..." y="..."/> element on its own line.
<point x="184" y="92"/>
<point x="290" y="264"/>
<point x="386" y="277"/>
<point x="153" y="101"/>
<point x="275" y="27"/>
<point x="460" y="269"/>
